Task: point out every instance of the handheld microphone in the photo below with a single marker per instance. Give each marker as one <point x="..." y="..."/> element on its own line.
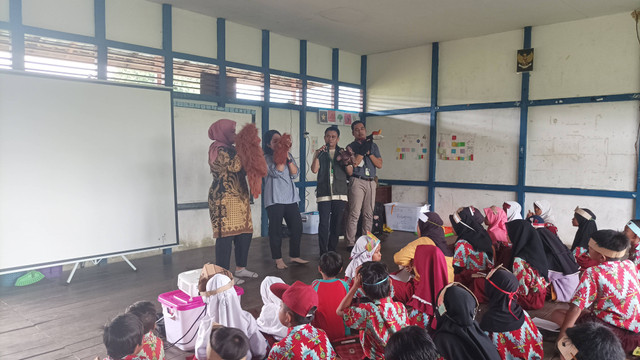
<point x="326" y="147"/>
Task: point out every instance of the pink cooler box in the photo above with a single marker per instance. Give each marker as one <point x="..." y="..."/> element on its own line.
<point x="182" y="315"/>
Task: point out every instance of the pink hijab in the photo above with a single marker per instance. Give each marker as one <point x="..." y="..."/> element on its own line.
<point x="496" y="218"/>
<point x="223" y="134"/>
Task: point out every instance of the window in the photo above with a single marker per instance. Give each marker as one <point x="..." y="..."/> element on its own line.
<point x="60" y="57"/>
<point x="349" y="98"/>
<point x="134" y="67"/>
<point x="195" y="77"/>
<point x="319" y="94"/>
<point x="5" y="49"/>
<point x="285" y="90"/>
<point x="249" y="84"/>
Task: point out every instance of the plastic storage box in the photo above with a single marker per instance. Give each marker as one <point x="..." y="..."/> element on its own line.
<point x="188" y="283"/>
<point x="404" y="216"/>
<point x="310" y="222"/>
<point x="182" y="315"/>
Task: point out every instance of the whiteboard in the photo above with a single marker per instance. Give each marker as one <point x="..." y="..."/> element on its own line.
<point x="86" y="170"/>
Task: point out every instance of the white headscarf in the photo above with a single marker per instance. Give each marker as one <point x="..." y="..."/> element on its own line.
<point x="514" y="211"/>
<point x="224" y="308"/>
<point x="269" y="321"/>
<point x="545" y="207"/>
<point x="362" y="252"/>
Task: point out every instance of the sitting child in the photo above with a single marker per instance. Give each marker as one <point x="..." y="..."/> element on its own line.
<point x="123" y="337"/>
<point x="379" y="319"/>
<point x="585" y="220"/>
<point x="223" y="307"/>
<point x="367" y="248"/>
<point x="227" y="343"/>
<point x="564" y="272"/>
<point x="542" y="208"/>
<point x="507" y="325"/>
<point x="495" y="218"/>
<point x="268" y="321"/>
<point x="299" y="304"/>
<point x="529" y="264"/>
<point x="590" y="341"/>
<point x="152" y="346"/>
<point x="458" y="335"/>
<point x="610" y="290"/>
<point x="330" y="291"/>
<point x="512" y="209"/>
<point x="632" y="231"/>
<point x="411" y="343"/>
<point x="430" y="270"/>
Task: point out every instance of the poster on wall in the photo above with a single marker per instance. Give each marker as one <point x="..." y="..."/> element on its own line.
<point x="411" y="147"/>
<point x="337" y="117"/>
<point x="457" y="147"/>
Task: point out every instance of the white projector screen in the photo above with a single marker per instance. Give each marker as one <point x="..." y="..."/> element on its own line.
<point x="86" y="170"/>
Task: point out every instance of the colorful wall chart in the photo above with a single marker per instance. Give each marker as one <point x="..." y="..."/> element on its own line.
<point x="411" y="147"/>
<point x="455" y="147"/>
<point x="337" y="117"/>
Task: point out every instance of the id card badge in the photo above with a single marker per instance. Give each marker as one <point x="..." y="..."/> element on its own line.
<point x="367" y="172"/>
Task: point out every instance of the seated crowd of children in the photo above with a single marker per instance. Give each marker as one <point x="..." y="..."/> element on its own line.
<point x="427" y="308"/>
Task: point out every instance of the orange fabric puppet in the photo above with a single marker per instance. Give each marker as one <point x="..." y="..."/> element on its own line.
<point x="252" y="157"/>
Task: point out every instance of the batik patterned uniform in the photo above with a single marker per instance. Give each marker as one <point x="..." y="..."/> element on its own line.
<point x="612" y="288"/>
<point x="418" y="318"/>
<point x="634" y="255"/>
<point x="378" y="320"/>
<point x="528" y="277"/>
<point x="468" y="258"/>
<point x="152" y="348"/>
<point x="523" y="343"/>
<point x="303" y="342"/>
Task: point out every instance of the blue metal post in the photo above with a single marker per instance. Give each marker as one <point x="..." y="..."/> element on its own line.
<point x="222" y="59"/>
<point x="99" y="12"/>
<point x="17" y="34"/>
<point x="524" y="116"/>
<point x="363" y="85"/>
<point x="335" y="68"/>
<point x="167" y="44"/>
<point x="433" y="123"/>
<point x="303" y="127"/>
<point x="264" y="228"/>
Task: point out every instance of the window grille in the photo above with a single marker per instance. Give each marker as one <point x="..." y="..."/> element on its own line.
<point x="249" y="84"/>
<point x="285" y="89"/>
<point x="349" y="98"/>
<point x="134" y="67"/>
<point x="195" y="77"/>
<point x="319" y="95"/>
<point x="5" y="49"/>
<point x="60" y="57"/>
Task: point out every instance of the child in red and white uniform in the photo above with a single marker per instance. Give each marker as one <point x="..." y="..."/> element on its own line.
<point x="430" y="268"/>
<point x="299" y="304"/>
<point x="330" y="291"/>
<point x="123" y="338"/>
<point x="585" y="220"/>
<point x="152" y="346"/>
<point x="529" y="264"/>
<point x="509" y="327"/>
<point x="378" y="319"/>
<point x="610" y="290"/>
<point x="632" y="231"/>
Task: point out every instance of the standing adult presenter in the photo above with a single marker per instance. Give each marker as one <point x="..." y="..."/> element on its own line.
<point x="362" y="185"/>
<point x="281" y="196"/>
<point x="229" y="207"/>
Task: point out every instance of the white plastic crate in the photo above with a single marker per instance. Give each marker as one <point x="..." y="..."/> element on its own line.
<point x="182" y="315"/>
<point x="310" y="222"/>
<point x="404" y="216"/>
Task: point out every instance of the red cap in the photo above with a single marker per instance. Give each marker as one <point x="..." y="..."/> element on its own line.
<point x="299" y="297"/>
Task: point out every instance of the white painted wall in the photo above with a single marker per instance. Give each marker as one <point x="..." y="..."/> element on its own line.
<point x="244" y="44"/>
<point x="194" y="33"/>
<point x="449" y="200"/>
<point x="284" y="53"/>
<point x="588" y="57"/>
<point x="319" y="60"/>
<point x="409" y="194"/>
<point x="589" y="146"/>
<point x="610" y="213"/>
<point x="349" y="67"/>
<point x="467" y="66"/>
<point x="72" y="16"/>
<point x="4" y="10"/>
<point x="393" y="128"/>
<point x="399" y="79"/>
<point x="134" y="21"/>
